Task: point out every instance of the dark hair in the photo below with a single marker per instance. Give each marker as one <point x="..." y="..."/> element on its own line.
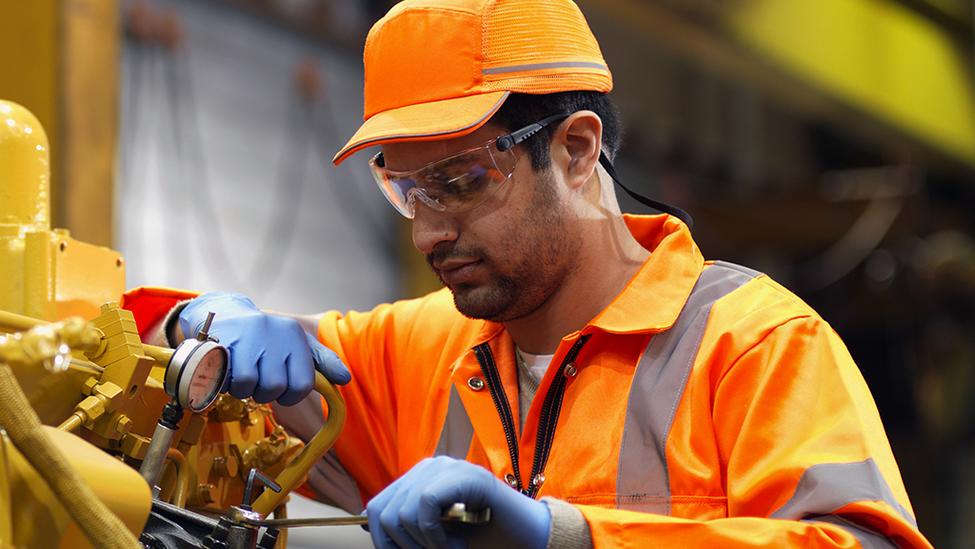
<point x="520" y="110"/>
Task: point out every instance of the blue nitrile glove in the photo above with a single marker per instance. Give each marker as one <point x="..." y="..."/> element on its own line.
<point x="407" y="513"/>
<point x="271" y="357"/>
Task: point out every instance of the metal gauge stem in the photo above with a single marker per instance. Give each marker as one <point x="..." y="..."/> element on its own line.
<point x="197" y="371"/>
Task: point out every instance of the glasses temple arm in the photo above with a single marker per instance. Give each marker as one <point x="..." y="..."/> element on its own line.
<point x="505" y="142"/>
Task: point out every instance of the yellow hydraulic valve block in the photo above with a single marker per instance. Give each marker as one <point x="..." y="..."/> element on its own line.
<point x="44" y="274"/>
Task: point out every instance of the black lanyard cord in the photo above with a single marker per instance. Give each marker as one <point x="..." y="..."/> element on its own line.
<point x="660" y="206"/>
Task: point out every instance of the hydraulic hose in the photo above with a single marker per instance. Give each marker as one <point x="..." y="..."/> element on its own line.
<point x="102" y="528"/>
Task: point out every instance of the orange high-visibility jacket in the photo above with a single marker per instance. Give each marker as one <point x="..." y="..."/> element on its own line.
<point x="707" y="406"/>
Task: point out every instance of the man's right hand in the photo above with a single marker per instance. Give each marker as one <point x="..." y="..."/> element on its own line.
<point x="271" y="356"/>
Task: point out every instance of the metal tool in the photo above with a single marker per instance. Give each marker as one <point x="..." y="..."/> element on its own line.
<point x="456" y="513"/>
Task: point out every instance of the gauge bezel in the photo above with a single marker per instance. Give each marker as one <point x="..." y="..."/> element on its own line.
<point x="182" y="367"/>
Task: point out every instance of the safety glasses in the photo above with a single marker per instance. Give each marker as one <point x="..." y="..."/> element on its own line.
<point x="457" y="183"/>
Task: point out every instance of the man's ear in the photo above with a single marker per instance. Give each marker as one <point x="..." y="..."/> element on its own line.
<point x="577" y="142"/>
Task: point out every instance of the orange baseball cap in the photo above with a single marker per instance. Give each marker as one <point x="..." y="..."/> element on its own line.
<point x="436" y="69"/>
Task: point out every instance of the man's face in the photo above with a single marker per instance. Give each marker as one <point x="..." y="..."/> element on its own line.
<point x="506" y="257"/>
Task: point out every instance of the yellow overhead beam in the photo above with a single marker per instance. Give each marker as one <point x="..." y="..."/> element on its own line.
<point x="877" y="56"/>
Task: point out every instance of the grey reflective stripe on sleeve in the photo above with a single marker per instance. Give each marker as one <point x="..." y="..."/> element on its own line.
<point x="328" y="478"/>
<point x="334" y="486"/>
<point x="642" y="482"/>
<point x="455" y="439"/>
<point x="826" y="487"/>
<point x="543" y="66"/>
<point x="866" y="538"/>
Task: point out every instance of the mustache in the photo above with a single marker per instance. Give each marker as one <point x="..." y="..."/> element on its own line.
<point x="444" y="252"/>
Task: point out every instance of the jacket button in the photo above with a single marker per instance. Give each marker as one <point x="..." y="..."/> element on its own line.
<point x="570" y="370"/>
<point x="538" y="480"/>
<point x="511" y="480"/>
<point x="475" y="383"/>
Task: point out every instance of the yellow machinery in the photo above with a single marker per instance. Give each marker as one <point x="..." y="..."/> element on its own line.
<point x="81" y="399"/>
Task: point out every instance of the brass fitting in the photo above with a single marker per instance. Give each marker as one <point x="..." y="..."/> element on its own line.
<point x="227" y="409"/>
<point x="269" y="451"/>
<point x="104" y="397"/>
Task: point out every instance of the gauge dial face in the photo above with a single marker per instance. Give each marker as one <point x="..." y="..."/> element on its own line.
<point x="196" y="373"/>
<point x="207" y="380"/>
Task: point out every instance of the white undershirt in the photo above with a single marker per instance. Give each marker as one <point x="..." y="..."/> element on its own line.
<point x="537" y="364"/>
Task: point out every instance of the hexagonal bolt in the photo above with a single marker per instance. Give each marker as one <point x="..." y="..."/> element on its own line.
<point x="225" y="466"/>
<point x="123" y="425"/>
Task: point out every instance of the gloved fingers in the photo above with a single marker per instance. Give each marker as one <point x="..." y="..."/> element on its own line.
<point x="426" y="511"/>
<point x="327" y="362"/>
<point x="244" y="371"/>
<point x="399" y="523"/>
<point x="374" y="509"/>
<point x="384" y="526"/>
<point x="273" y="379"/>
<point x="287" y="372"/>
<point x="422" y="504"/>
<point x="379" y="537"/>
<point x="516" y="518"/>
<point x="454" y="481"/>
<point x="389" y="516"/>
<point x="427" y="532"/>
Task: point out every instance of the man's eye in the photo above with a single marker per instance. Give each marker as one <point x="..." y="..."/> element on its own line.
<point x="468" y="180"/>
<point x="471" y="174"/>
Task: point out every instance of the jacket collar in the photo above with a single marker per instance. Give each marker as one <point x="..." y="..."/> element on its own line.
<point x="655" y="296"/>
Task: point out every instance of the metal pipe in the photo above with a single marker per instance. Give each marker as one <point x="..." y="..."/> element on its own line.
<point x="156" y="454"/>
<point x="72" y="424"/>
<point x="162" y="441"/>
<point x="182" y="476"/>
<point x="13" y="322"/>
<point x="317" y="447"/>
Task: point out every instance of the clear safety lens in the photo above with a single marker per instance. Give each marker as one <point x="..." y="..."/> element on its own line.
<point x="458" y="183"/>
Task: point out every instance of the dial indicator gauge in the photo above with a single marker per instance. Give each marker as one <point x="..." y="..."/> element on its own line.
<point x="196" y="372"/>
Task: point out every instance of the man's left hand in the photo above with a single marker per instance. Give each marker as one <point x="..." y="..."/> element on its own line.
<point x="407" y="513"/>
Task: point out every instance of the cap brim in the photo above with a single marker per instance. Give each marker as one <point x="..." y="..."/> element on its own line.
<point x="424" y="121"/>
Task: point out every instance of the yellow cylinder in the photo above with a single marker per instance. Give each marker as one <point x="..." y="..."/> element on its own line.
<point x="25" y="198"/>
<point x="25" y="205"/>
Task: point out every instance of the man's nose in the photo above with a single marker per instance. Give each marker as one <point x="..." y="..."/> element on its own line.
<point x="431" y="227"/>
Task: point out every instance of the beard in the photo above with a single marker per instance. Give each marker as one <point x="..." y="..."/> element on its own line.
<point x="535" y="255"/>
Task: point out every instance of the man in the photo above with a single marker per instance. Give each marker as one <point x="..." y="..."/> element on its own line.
<point x="585" y="375"/>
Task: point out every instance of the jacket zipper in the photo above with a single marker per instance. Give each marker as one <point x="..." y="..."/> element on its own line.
<point x="490" y="370"/>
<point x="548" y="419"/>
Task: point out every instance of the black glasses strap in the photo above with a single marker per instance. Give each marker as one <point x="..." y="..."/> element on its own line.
<point x="659" y="206"/>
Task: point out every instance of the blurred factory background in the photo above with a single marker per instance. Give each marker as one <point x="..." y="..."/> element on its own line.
<point x="829" y="143"/>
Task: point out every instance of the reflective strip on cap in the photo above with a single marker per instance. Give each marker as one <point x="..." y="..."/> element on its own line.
<point x="545" y="66"/>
